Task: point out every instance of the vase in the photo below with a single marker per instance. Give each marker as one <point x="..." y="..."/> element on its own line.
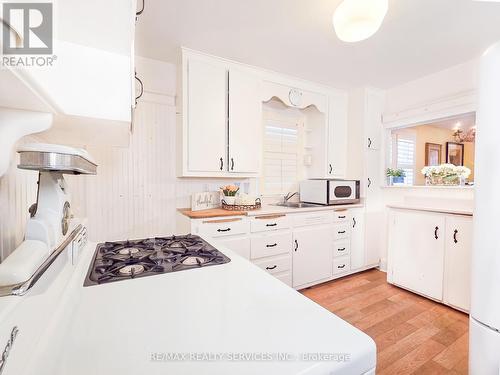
<point x="398" y="179"/>
<point x="452" y="180"/>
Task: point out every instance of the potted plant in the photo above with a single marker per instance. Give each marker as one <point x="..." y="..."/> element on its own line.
<point x="229" y="192"/>
<point x="395" y="176"/>
<point x="446" y="174"/>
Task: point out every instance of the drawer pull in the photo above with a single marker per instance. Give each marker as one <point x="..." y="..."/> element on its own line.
<point x="342" y="266"/>
<point x="271" y="268"/>
<point x="343" y="249"/>
<point x="455" y="232"/>
<point x="273" y="245"/>
<point x="271" y="225"/>
<point x="341" y="232"/>
<point x="342" y="217"/>
<point x="224" y="230"/>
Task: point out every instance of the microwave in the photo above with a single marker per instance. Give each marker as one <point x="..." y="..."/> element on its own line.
<point x="329" y="191"/>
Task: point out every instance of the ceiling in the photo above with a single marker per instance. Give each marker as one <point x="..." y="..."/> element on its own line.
<point x="463" y="122"/>
<point x="296" y="37"/>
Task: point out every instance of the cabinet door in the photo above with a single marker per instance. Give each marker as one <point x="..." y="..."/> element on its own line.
<point x="240" y="245"/>
<point x="458" y="261"/>
<point x="337" y="136"/>
<point x="417" y="252"/>
<point x="358" y="253"/>
<point x="207" y="116"/>
<point x="374" y="107"/>
<point x="245" y="122"/>
<point x="312" y="254"/>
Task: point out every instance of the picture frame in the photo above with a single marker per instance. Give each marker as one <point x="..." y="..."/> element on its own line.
<point x="433" y="153"/>
<point x="455" y="153"/>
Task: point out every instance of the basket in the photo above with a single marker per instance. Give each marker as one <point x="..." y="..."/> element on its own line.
<point x="242" y="207"/>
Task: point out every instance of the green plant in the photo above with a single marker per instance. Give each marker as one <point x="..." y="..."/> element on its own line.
<point x="395" y="172"/>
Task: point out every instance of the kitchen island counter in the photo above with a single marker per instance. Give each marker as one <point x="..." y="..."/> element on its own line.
<point x="232" y="318"/>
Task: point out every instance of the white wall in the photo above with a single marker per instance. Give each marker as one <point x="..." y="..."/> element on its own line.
<point x="136" y="191"/>
<point x="448" y="83"/>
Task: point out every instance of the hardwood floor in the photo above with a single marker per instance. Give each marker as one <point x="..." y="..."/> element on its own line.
<point x="413" y="334"/>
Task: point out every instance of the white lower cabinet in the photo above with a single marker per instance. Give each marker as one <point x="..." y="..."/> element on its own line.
<point x="458" y="245"/>
<point x="312" y="254"/>
<point x="301" y="249"/>
<point x="240" y="245"/>
<point x="429" y="253"/>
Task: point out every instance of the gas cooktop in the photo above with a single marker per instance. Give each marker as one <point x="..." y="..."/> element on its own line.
<point x="123" y="260"/>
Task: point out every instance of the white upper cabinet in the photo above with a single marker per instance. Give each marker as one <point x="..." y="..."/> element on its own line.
<point x="206" y="116"/>
<point x="337" y="135"/>
<point x="245" y="122"/>
<point x="374" y="105"/>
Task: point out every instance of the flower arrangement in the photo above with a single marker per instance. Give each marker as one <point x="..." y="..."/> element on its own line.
<point x="230" y="190"/>
<point x="445" y="174"/>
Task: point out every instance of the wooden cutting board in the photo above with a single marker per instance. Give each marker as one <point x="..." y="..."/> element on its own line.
<point x="214" y="212"/>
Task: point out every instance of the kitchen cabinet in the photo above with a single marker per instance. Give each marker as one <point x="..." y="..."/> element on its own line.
<point x="337" y="135"/>
<point x="240" y="245"/>
<point x="206" y="116"/>
<point x="312" y="254"/>
<point x="374" y="105"/>
<point x="457" y="273"/>
<point x="359" y="256"/>
<point x="417" y="256"/>
<point x="429" y="253"/>
<point x="245" y="122"/>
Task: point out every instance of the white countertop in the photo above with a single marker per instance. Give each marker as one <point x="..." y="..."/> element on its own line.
<point x="269" y="209"/>
<point x="236" y="307"/>
<point x="447" y="210"/>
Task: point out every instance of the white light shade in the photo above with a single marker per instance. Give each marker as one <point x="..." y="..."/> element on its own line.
<point x="356" y="20"/>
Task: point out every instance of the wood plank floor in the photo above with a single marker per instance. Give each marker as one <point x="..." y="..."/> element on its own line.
<point x="413" y="334"/>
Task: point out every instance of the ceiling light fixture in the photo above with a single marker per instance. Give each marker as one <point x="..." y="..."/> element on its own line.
<point x="356" y="20"/>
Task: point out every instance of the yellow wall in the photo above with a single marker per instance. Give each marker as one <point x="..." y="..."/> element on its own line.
<point x="433" y="134"/>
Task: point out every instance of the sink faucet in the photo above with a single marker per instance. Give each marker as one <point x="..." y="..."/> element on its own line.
<point x="289" y="196"/>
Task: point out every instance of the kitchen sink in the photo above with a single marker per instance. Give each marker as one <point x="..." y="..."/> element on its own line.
<point x="296" y="205"/>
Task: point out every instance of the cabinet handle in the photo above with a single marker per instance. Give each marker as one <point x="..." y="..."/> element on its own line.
<point x="341" y="232"/>
<point x="224" y="230"/>
<point x="273" y="245"/>
<point x="331" y="169"/>
<point x="369" y="142"/>
<point x="271" y="268"/>
<point x="142" y="88"/>
<point x="296" y="245"/>
<point x="342" y="266"/>
<point x="221" y="163"/>
<point x="232" y="163"/>
<point x="455" y="232"/>
<point x="369" y="182"/>
<point x="436" y="233"/>
<point x="271" y="225"/>
<point x="354" y="222"/>
<point x="341" y="217"/>
<point x="343" y="249"/>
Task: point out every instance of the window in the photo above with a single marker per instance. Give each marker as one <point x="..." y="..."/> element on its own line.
<point x="281" y="156"/>
<point x="402" y="154"/>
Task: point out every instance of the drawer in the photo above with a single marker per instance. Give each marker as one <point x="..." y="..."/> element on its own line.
<point x="269" y="222"/>
<point x="223" y="227"/>
<point x="341" y="265"/>
<point x="313" y="218"/>
<point x="341" y="216"/>
<point x="270" y="244"/>
<point x="275" y="264"/>
<point x="285" y="277"/>
<point x="341" y="248"/>
<point x="341" y="231"/>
